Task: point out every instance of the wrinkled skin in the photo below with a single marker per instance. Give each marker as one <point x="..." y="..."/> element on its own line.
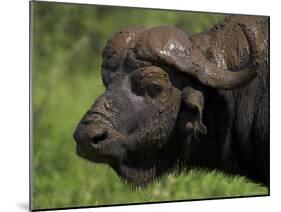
<point x="127" y="133"/>
<point x="162" y="111"/>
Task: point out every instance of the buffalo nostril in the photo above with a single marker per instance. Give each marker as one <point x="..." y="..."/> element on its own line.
<point x="87" y="122"/>
<point x="99" y="137"/>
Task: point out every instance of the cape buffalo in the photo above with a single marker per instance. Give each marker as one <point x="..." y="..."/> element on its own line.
<point x="174" y="102"/>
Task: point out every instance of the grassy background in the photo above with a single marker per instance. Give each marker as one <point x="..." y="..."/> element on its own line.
<point x="68" y="40"/>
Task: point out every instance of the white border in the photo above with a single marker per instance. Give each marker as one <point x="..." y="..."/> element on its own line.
<point x="199" y="5"/>
<point x="14" y="88"/>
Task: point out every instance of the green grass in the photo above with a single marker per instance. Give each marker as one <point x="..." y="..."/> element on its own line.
<point x="66" y="80"/>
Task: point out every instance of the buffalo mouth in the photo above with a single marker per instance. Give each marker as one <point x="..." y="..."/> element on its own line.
<point x="100" y="147"/>
<point x="89" y="153"/>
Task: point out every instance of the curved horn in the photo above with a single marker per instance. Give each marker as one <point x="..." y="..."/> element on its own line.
<point x="211" y="75"/>
<point x="172" y="46"/>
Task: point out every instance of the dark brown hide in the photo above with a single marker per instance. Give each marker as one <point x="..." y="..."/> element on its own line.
<point x="174" y="102"/>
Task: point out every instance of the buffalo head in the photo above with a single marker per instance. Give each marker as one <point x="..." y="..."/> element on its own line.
<point x="131" y="123"/>
<point x="153" y="102"/>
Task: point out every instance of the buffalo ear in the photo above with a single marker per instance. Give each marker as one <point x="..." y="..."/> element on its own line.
<point x="194" y="102"/>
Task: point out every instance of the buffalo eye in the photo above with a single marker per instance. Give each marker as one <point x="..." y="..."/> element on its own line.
<point x="153" y="90"/>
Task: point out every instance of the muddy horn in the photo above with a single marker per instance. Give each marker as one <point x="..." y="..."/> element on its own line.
<point x="213" y="76"/>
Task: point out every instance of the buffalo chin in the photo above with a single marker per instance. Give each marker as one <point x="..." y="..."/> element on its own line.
<point x="133" y="176"/>
<point x="136" y="176"/>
